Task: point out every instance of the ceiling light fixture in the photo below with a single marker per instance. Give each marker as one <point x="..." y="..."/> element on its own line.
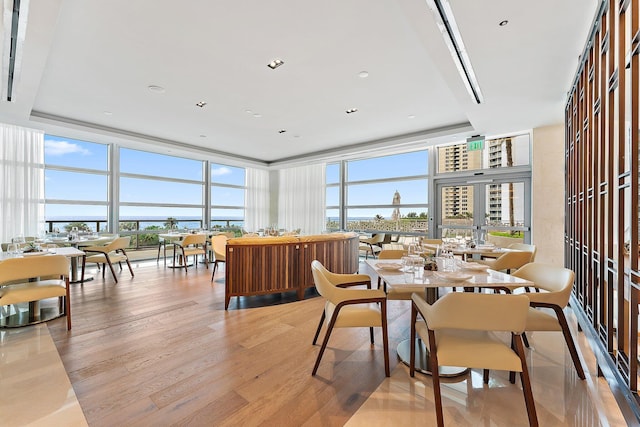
<point x="447" y="25"/>
<point x="256" y="115"/>
<point x="201" y="104"/>
<point x="411" y="116"/>
<point x="275" y="63"/>
<point x="503" y="23"/>
<point x="363" y="74"/>
<point x="107" y="113"/>
<point x="15" y="29"/>
<point x="156" y="89"/>
<point x="282" y="131"/>
<point x="351" y="110"/>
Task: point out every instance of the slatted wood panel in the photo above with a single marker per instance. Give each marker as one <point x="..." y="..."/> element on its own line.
<point x="602" y="117"/>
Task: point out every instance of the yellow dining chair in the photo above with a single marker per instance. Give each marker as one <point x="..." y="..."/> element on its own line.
<point x="349" y="308"/>
<point x="508" y="261"/>
<point x="457" y="330"/>
<point x="219" y="248"/>
<point x="52" y="272"/>
<point x="191" y="245"/>
<point x="115" y="251"/>
<point x="552" y="287"/>
<point x="526" y="248"/>
<point x="372" y="245"/>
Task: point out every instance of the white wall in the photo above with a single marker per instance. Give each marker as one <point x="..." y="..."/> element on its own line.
<point x="548" y="194"/>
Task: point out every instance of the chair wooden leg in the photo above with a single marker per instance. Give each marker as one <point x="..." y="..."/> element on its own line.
<point x="159" y="246"/>
<point x="315" y="337"/>
<point x="412" y="335"/>
<point x="525" y="340"/>
<point x="433" y="366"/>
<point x="215" y="266"/>
<point x="325" y="341"/>
<point x="485" y="376"/>
<point x="113" y="272"/>
<point x="526" y="383"/>
<point x="185" y="261"/>
<point x="130" y="269"/>
<point x="570" y="344"/>
<point x="371" y="335"/>
<point x="385" y="338"/>
<point x="67" y="304"/>
<point x="84" y="261"/>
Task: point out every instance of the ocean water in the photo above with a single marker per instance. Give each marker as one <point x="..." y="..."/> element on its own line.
<point x="144" y="223"/>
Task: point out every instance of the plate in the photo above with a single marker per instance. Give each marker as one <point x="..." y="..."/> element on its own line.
<point x="452" y="276"/>
<point x="389" y="266"/>
<point x="473" y="266"/>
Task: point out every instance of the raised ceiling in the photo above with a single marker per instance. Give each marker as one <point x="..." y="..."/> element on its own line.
<point x="87" y="66"/>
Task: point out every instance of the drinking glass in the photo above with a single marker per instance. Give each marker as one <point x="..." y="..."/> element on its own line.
<point x="52" y="248"/>
<point x="12" y="249"/>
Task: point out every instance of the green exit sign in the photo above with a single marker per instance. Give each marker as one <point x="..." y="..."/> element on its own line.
<point x="475" y="143"/>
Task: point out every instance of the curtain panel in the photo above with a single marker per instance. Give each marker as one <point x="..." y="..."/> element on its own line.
<point x="301" y="199"/>
<point x="22" y="178"/>
<point x="257" y="199"/>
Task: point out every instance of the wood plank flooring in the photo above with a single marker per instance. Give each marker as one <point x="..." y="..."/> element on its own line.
<point x="159" y="349"/>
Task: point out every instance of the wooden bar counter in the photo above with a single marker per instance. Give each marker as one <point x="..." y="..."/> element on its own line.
<point x="266" y="265"/>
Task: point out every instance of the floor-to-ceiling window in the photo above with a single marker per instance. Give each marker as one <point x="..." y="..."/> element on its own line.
<point x="76" y="185"/>
<point x="228" y="187"/>
<point x="157" y="191"/>
<point x="385" y="193"/>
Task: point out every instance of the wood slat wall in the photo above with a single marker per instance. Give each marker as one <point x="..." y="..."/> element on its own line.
<point x="601" y="161"/>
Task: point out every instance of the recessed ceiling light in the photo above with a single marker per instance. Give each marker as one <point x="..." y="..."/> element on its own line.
<point x="203" y="136"/>
<point x="201" y="104"/>
<point x="363" y="74"/>
<point x="257" y="115"/>
<point x="503" y="23"/>
<point x="352" y="110"/>
<point x="411" y="116"/>
<point x="107" y="113"/>
<point x="248" y="111"/>
<point x="275" y="63"/>
<point x="282" y="131"/>
<point x="156" y="89"/>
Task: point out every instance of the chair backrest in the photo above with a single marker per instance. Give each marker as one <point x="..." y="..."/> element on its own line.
<point x="378" y="238"/>
<point x="193" y="239"/>
<point x="433" y="242"/>
<point x="474" y="311"/>
<point x="119" y="243"/>
<point x="229" y="234"/>
<point x="218" y="244"/>
<point x="511" y="260"/>
<point x="392" y="253"/>
<point x="324" y="287"/>
<point x="525" y="247"/>
<point x="557" y="281"/>
<point x="13" y="269"/>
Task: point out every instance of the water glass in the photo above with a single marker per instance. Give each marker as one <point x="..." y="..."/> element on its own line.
<point x="52" y="248"/>
<point x="12" y="249"/>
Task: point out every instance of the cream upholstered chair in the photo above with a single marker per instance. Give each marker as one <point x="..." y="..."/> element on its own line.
<point x="553" y="285"/>
<point x="457" y="330"/>
<point x="219" y="249"/>
<point x="191" y="245"/>
<point x="115" y="251"/>
<point x="390" y="254"/>
<point x="52" y="272"/>
<point x="371" y="245"/>
<point x="508" y="261"/>
<point x="526" y="248"/>
<point x="349" y="308"/>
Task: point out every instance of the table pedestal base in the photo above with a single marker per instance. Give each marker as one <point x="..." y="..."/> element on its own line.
<point x="422" y="360"/>
<point x="28" y="314"/>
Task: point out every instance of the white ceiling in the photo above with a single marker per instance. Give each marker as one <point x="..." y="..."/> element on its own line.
<point x="84" y="57"/>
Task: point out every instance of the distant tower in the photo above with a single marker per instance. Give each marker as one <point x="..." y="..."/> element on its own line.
<point x="396" y="202"/>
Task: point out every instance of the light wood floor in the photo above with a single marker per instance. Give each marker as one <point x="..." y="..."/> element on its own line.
<point x="159" y="349"/>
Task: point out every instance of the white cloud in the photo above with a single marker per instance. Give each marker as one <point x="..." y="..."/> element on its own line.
<point x="221" y="171"/>
<point x="60" y="148"/>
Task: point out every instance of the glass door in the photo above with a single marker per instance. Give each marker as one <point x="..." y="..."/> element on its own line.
<point x="494" y="210"/>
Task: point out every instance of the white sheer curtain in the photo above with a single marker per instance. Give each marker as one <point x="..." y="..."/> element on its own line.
<point x="22" y="182"/>
<point x="257" y="199"/>
<point x="301" y="199"/>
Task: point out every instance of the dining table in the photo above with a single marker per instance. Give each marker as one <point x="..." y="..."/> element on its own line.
<point x="451" y="274"/>
<point x="36" y="313"/>
<point x="171" y="238"/>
